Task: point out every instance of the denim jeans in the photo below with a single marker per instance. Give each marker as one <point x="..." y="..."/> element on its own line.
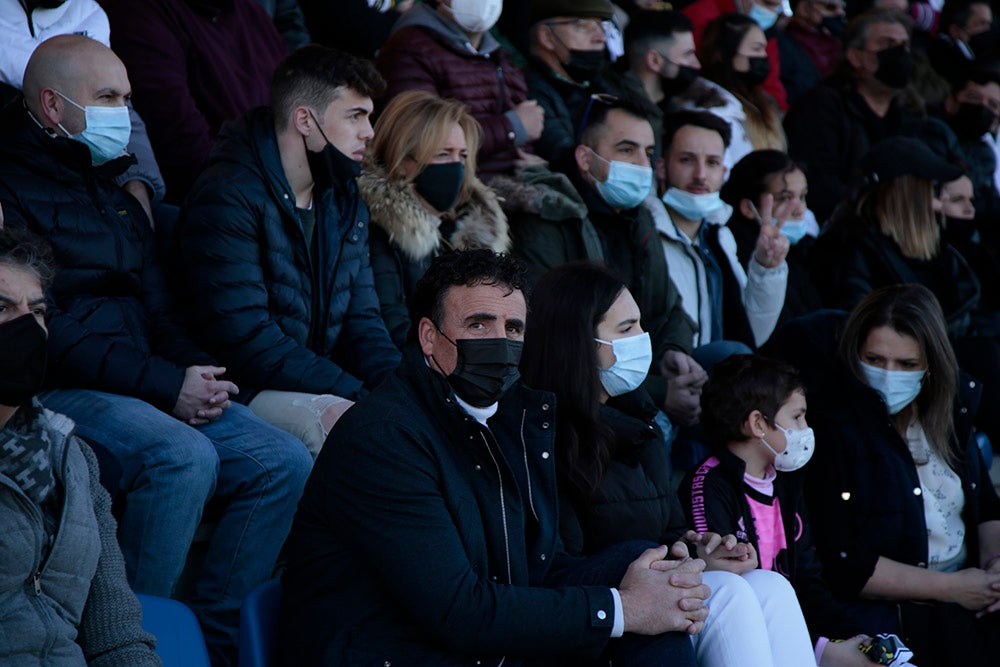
<point x="169" y="470"/>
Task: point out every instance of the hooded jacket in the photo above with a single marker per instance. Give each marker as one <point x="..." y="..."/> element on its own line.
<point x="405" y="237"/>
<point x="279" y="316"/>
<point x="72" y="605"/>
<point x="428" y="52"/>
<point x="112" y="322"/>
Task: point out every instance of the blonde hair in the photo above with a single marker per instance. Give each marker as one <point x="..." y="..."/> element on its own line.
<point x="414" y="125"/>
<point x="902" y="207"/>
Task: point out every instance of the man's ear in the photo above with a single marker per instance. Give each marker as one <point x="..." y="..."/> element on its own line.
<point x="853" y="57"/>
<point x="302" y="121"/>
<point x="50" y="105"/>
<point x="427" y="335"/>
<point x="745" y="209"/>
<point x="653" y="61"/>
<point x="582" y="155"/>
<point x="545" y="38"/>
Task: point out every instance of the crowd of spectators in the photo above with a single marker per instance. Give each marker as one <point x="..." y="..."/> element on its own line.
<point x="266" y="266"/>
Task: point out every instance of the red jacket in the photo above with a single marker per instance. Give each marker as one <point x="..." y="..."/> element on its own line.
<point x="703" y="12"/>
<point x="418" y="57"/>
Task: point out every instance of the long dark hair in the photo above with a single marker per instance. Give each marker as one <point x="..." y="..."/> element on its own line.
<point x="560" y="356"/>
<point x="912" y="310"/>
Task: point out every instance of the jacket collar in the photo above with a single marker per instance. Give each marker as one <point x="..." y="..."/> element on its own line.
<point x="393" y="206"/>
<point x="425" y="16"/>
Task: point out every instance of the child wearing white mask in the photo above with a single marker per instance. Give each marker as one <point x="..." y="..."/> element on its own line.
<point x="754" y="418"/>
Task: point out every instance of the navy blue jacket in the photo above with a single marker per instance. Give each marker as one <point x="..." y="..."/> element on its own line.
<point x="112" y="325"/>
<point x="423" y="538"/>
<point x="277" y="316"/>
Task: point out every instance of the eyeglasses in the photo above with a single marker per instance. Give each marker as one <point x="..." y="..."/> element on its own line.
<point x="601" y="98"/>
<point x="581" y="24"/>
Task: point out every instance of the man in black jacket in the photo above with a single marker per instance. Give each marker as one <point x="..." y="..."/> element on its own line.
<point x="429" y="534"/>
<point x="120" y="363"/>
<point x="274" y="237"/>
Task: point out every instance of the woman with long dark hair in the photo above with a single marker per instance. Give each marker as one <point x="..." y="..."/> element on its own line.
<point x="586" y="344"/>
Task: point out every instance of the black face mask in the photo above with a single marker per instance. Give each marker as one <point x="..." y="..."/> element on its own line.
<point x="760" y="68"/>
<point x="584" y="65"/>
<point x="439" y="184"/>
<point x="486" y="369"/>
<point x="982" y="43"/>
<point x="329" y="166"/>
<point x="22" y="365"/>
<point x="678" y="84"/>
<point x="972" y="121"/>
<point x="957" y="230"/>
<point x="895" y="66"/>
<point x="835" y="25"/>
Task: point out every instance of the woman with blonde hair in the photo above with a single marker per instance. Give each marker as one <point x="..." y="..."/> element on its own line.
<point x="419" y="183"/>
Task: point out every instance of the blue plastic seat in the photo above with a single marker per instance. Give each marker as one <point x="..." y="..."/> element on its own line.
<point x="179" y="641"/>
<point x="258" y="617"/>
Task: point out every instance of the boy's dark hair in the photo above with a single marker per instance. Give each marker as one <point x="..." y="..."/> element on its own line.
<point x="313" y="75"/>
<point x="957" y="13"/>
<point x="466" y="267"/>
<point x="739" y="385"/>
<point x="647" y="28"/>
<point x="22" y="249"/>
<point x="673" y="122"/>
<point x="978" y="75"/>
<point x="596" y="116"/>
<point x="750" y="177"/>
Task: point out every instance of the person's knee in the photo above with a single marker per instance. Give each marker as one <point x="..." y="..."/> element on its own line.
<point x="770" y="587"/>
<point x="182" y="457"/>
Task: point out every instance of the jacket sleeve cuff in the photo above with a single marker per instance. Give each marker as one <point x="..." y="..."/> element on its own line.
<point x="520" y="137"/>
<point x="618" y="629"/>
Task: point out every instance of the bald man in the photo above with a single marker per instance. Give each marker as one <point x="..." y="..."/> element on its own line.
<point x="120" y="362"/>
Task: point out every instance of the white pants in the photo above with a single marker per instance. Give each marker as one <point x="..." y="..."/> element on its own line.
<point x="754" y="620"/>
<point x="309" y="417"/>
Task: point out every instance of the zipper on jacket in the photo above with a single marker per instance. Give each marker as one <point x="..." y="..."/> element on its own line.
<point x="527" y="471"/>
<point x="503" y="506"/>
<point x="36" y="580"/>
<point x="503" y="89"/>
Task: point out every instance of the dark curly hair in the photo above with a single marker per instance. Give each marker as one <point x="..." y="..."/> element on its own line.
<point x="738" y="386"/>
<point x="466" y="267"/>
<point x="313" y="75"/>
<point x="24" y="250"/>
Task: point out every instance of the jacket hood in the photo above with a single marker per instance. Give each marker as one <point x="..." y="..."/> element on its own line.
<point x="710" y="96"/>
<point x="394" y="207"/>
<point x="425" y="16"/>
<point x="540" y="191"/>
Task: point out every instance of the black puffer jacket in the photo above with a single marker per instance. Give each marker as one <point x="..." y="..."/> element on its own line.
<point x="277" y="317"/>
<point x="112" y="326"/>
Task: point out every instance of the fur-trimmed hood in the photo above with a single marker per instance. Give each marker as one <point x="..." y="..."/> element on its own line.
<point x="479" y="223"/>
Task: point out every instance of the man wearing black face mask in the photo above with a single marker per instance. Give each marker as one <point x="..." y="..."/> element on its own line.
<point x="429" y="535"/>
<point x="831" y="127"/>
<point x="275" y="241"/>
<point x="78" y="601"/>
<point x="964" y="34"/>
<point x="569" y="63"/>
<point x="810" y="45"/>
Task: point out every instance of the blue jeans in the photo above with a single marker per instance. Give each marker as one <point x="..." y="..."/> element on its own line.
<point x="169" y="470"/>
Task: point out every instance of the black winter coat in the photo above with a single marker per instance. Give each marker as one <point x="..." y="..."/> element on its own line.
<point x="425" y="539"/>
<point x="277" y="315"/>
<point x="636" y="499"/>
<point x="112" y="324"/>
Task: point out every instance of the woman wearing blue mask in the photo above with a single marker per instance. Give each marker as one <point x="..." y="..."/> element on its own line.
<point x="772" y="173"/>
<point x="586" y="344"/>
<point x="905" y="517"/>
<point x="419" y="183"/>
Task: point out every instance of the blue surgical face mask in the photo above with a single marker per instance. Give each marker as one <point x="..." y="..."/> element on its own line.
<point x="107" y="132"/>
<point x="897" y="388"/>
<point x="627" y="184"/>
<point x="692" y="206"/>
<point x="793" y="229"/>
<point x="633" y="355"/>
<point x="763" y="16"/>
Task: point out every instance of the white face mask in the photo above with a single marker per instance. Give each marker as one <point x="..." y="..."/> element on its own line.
<point x="633" y="355"/>
<point x="897" y="388"/>
<point x="692" y="206"/>
<point x="107" y="133"/>
<point x="799" y="447"/>
<point x="476" y="16"/>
